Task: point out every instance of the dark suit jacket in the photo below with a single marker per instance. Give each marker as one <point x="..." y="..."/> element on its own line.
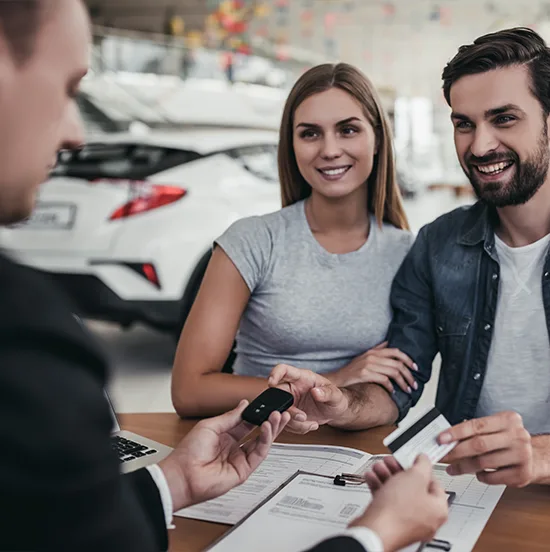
<point x="60" y="486"/>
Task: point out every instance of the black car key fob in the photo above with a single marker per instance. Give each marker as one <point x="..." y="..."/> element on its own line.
<point x="272" y="399"/>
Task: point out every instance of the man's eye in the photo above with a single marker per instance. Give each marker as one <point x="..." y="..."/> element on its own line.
<point x="504" y="119"/>
<point x="463" y="125"/>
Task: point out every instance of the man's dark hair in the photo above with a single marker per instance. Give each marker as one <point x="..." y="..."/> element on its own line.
<point x="20" y="21"/>
<point x="518" y="46"/>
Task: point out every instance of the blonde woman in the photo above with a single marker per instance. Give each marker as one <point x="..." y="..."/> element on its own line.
<point x="308" y="285"/>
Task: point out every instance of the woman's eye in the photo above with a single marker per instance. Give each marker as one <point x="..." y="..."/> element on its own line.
<point x="308" y="134"/>
<point x="348" y="131"/>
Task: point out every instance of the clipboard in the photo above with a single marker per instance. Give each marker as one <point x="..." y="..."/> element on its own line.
<point x="261" y="504"/>
<point x="355" y="489"/>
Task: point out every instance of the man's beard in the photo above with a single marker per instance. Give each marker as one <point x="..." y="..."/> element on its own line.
<point x="528" y="177"/>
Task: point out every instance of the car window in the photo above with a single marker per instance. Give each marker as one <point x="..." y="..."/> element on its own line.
<point x="133" y="161"/>
<point x="260" y="160"/>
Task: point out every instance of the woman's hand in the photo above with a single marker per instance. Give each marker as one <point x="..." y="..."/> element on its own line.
<point x="378" y="365"/>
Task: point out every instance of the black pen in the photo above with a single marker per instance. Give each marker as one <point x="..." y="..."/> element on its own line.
<point x="438" y="544"/>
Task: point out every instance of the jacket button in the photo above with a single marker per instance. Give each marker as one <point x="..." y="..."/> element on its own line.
<point x="495" y="276"/>
<point x="440" y="328"/>
<point x="487" y="327"/>
<point x="477" y="376"/>
<point x="546" y="274"/>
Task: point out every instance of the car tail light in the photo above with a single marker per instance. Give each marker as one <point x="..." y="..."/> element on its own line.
<point x="150" y="272"/>
<point x="145" y="270"/>
<point x="147" y="197"/>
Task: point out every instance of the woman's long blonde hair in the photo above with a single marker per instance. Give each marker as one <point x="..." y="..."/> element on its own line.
<point x="384" y="197"/>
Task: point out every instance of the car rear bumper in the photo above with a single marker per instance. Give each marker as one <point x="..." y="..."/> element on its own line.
<point x="96" y="300"/>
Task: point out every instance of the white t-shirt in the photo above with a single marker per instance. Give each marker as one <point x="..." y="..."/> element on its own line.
<point x="518" y="368"/>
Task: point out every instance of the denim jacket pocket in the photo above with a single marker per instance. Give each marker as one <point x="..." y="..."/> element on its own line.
<point x="452" y="325"/>
<point x="452" y="330"/>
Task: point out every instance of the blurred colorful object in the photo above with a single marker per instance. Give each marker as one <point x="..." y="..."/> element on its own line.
<point x="194" y="39"/>
<point x="388" y="9"/>
<point x="330" y="22"/>
<point x="262" y="10"/>
<point x="230" y="22"/>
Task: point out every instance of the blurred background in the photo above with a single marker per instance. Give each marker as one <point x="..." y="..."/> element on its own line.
<point x="182" y="108"/>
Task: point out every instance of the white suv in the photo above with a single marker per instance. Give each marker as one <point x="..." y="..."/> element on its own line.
<point x="126" y="225"/>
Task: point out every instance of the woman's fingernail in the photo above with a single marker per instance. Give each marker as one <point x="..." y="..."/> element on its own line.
<point x="444" y="438"/>
<point x="451" y="470"/>
<point x="415" y="385"/>
<point x="409" y="390"/>
<point x="415" y="366"/>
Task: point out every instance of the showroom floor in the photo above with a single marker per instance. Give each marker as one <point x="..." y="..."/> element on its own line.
<point x="142" y="358"/>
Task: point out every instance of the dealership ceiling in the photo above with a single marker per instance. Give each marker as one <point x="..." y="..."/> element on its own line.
<point x="402" y="44"/>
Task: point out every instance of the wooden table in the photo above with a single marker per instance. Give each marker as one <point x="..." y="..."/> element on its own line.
<point x="520" y="523"/>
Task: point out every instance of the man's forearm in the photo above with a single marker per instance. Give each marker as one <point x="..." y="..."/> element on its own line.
<point x="541" y="459"/>
<point x="369" y="406"/>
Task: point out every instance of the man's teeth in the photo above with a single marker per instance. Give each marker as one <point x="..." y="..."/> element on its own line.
<point x="334" y="172"/>
<point x="493" y="169"/>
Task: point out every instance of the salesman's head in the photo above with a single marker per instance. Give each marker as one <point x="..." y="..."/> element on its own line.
<point x="499" y="91"/>
<point x="44" y="52"/>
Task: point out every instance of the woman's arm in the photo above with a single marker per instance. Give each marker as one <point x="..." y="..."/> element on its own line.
<point x="198" y="386"/>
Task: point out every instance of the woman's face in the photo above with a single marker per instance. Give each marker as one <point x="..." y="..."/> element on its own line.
<point x="334" y="143"/>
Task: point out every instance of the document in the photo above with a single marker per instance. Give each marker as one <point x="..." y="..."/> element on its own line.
<point x="282" y="462"/>
<point x="305" y="512"/>
<point x="310" y="508"/>
<point x="470" y="511"/>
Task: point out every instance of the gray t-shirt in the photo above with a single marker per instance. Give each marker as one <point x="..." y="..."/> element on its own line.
<point x="308" y="307"/>
<point x="518" y="367"/>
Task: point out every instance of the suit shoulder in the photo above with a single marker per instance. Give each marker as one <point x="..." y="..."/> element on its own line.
<point x="32" y="305"/>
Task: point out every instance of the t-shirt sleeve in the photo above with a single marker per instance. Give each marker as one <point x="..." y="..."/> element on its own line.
<point x="248" y="243"/>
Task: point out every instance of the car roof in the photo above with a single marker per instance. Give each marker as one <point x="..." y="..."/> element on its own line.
<point x="200" y="140"/>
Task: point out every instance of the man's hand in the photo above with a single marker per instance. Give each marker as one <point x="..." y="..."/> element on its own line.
<point x="209" y="461"/>
<point x="317" y="401"/>
<point x="496" y="448"/>
<point x="408" y="507"/>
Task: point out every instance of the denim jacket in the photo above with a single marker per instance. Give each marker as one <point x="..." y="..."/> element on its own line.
<point x="444" y="299"/>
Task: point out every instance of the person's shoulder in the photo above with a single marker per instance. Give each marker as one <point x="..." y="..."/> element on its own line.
<point x="268" y="224"/>
<point x="394" y="237"/>
<point x="452" y="223"/>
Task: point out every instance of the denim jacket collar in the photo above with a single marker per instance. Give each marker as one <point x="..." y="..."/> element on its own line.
<point x="478" y="226"/>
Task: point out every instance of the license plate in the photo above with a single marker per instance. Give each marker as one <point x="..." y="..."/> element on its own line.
<point x="51" y="216"/>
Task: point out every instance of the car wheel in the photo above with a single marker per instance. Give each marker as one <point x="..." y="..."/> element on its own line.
<point x="188" y="299"/>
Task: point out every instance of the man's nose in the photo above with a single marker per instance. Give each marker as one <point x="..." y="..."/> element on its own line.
<point x="484" y="142"/>
<point x="74" y="136"/>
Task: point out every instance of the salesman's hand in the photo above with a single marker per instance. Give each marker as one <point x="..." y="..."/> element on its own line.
<point x="209" y="461"/>
<point x="317" y="401"/>
<point x="408" y="507"/>
<point x="496" y="448"/>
